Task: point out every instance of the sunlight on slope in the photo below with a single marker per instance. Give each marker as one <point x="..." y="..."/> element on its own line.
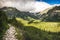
<point x="46" y="26"/>
<point x="46" y="10"/>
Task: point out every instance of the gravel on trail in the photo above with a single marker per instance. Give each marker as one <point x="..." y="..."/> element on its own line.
<point x="10" y="33"/>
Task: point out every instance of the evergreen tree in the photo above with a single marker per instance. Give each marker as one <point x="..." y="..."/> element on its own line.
<point x="3" y="24"/>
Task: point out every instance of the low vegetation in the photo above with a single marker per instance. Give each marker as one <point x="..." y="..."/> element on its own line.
<point x="3" y="24"/>
<point x="46" y="26"/>
<point x="30" y="27"/>
<point x="36" y="31"/>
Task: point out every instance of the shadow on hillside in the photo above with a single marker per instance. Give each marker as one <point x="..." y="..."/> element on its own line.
<point x="32" y="33"/>
<point x="3" y="24"/>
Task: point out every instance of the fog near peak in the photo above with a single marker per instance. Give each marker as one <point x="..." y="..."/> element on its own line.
<point x="25" y="5"/>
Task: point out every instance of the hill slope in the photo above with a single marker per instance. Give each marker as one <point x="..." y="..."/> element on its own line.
<point x="33" y="29"/>
<point x="14" y="12"/>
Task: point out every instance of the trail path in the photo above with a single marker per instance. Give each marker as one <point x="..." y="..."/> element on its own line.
<point x="10" y="33"/>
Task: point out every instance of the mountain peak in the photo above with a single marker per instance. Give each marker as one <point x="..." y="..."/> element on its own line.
<point x="40" y="6"/>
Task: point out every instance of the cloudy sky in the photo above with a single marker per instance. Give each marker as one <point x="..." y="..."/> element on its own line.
<point x="29" y="5"/>
<point x="52" y="1"/>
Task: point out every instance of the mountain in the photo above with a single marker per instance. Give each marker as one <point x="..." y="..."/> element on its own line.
<point x="21" y="14"/>
<point x="46" y="10"/>
<point x="30" y="30"/>
<point x="48" y="14"/>
<point x="53" y="14"/>
<point x="3" y="23"/>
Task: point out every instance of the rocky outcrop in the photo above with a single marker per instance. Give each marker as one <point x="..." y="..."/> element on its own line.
<point x="10" y="34"/>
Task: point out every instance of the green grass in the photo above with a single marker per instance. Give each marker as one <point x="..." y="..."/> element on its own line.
<point x="36" y="30"/>
<point x="19" y="34"/>
<point x="3" y="27"/>
<point x="45" y="26"/>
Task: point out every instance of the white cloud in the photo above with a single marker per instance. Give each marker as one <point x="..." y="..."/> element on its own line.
<point x="40" y="6"/>
<point x="56" y="5"/>
<point x="26" y="5"/>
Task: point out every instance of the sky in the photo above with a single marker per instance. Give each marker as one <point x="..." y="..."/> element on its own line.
<point x="29" y="5"/>
<point x="51" y="1"/>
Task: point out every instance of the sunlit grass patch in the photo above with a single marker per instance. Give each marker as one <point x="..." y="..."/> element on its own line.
<point x="46" y="26"/>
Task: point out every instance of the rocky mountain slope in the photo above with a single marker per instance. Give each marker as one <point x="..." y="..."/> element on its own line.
<point x="29" y="30"/>
<point x="14" y="12"/>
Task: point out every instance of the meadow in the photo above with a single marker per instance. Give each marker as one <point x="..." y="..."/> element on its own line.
<point x="45" y="26"/>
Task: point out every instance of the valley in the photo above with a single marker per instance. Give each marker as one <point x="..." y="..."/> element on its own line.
<point x="29" y="26"/>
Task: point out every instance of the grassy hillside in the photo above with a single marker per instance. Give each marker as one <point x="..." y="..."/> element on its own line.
<point x="46" y="26"/>
<point x="37" y="30"/>
<point x="29" y="26"/>
<point x="3" y="24"/>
